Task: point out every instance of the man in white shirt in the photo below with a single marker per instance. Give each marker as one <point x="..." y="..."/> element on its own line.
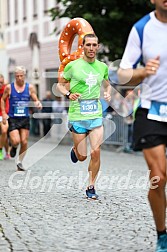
<point x="147" y="42"/>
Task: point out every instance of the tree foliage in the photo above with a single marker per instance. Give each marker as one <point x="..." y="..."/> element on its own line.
<point x="110" y="19"/>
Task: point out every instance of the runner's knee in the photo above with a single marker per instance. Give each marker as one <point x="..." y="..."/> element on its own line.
<point x="24" y="142"/>
<point x="95" y="154"/>
<point x="81" y="158"/>
<point x="158" y="181"/>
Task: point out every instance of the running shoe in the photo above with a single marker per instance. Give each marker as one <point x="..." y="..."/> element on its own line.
<point x="13" y="152"/>
<point x="1" y="155"/>
<point x="73" y="156"/>
<point x="91" y="193"/>
<point x="20" y="167"/>
<point x="162" y="244"/>
<point x="7" y="156"/>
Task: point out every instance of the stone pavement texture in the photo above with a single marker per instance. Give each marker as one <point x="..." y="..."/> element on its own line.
<point x="45" y="209"/>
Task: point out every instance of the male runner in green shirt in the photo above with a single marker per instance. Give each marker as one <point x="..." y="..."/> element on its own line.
<point x="81" y="84"/>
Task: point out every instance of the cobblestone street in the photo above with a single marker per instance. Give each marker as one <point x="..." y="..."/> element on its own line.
<point x="45" y="209"/>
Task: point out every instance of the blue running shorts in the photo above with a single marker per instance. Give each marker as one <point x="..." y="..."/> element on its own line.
<point x="82" y="127"/>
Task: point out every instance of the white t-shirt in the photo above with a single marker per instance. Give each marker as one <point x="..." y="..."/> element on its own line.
<point x="149" y="44"/>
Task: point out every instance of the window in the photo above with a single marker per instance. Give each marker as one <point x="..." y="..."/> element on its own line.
<point x="24" y="10"/>
<point x="8" y="12"/>
<point x="46" y="29"/>
<point x="35" y="8"/>
<point x="25" y="34"/>
<point x="8" y="36"/>
<point x="16" y="35"/>
<point x="16" y="11"/>
<point x="11" y="77"/>
<point x="45" y="6"/>
<point x="35" y="29"/>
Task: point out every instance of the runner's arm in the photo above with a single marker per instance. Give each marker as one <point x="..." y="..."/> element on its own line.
<point x="64" y="86"/>
<point x="136" y="76"/>
<point x="34" y="97"/>
<point x="4" y="97"/>
<point x="107" y="90"/>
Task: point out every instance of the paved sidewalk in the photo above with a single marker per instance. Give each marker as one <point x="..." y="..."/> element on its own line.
<point x="45" y="209"/>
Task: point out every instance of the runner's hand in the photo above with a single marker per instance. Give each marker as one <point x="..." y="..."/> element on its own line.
<point x="107" y="96"/>
<point x="74" y="96"/>
<point x="38" y="104"/>
<point x="4" y="118"/>
<point x="152" y="66"/>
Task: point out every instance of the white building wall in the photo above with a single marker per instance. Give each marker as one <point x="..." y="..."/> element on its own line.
<point x="3" y="52"/>
<point x="17" y="41"/>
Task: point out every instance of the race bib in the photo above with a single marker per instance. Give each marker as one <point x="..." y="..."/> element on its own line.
<point x="89" y="106"/>
<point x="19" y="111"/>
<point x="158" y="111"/>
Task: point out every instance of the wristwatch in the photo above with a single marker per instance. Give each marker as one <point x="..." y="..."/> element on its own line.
<point x="67" y="95"/>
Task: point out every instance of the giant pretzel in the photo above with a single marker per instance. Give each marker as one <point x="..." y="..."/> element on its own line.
<point x="76" y="26"/>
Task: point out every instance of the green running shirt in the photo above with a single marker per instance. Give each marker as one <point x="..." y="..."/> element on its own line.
<point x="86" y="79"/>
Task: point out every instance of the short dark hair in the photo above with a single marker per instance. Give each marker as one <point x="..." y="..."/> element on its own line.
<point x="89" y="35"/>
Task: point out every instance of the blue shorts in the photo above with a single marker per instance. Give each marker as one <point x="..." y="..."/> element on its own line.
<point x="82" y="127"/>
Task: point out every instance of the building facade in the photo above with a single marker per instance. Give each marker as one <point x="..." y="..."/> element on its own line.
<point x="3" y="53"/>
<point x="29" y="40"/>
